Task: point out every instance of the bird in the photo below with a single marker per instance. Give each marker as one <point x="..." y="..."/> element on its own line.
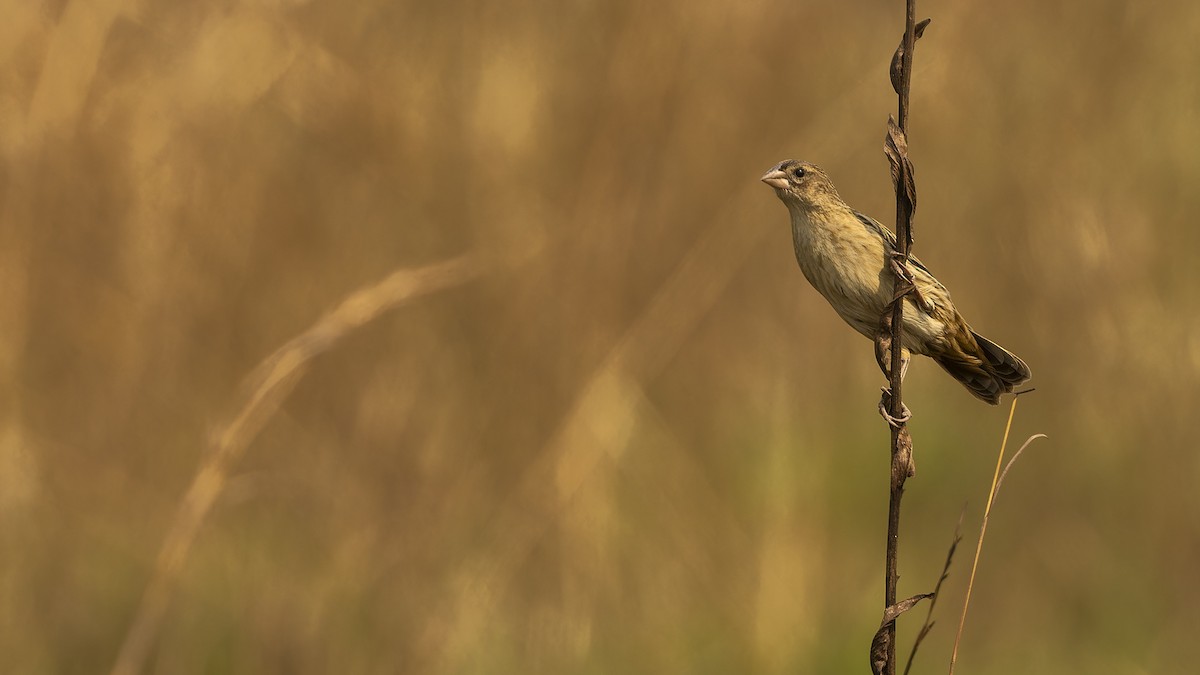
<point x="851" y="260"/>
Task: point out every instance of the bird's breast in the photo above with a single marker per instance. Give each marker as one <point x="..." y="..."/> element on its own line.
<point x="847" y="264"/>
<point x="843" y="261"/>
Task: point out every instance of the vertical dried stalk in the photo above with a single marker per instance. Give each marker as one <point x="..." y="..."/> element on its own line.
<point x="927" y="627"/>
<point x="997" y="481"/>
<point x="901" y="442"/>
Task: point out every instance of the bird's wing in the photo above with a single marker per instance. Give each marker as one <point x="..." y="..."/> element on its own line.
<point x="923" y="278"/>
<point x="889" y="238"/>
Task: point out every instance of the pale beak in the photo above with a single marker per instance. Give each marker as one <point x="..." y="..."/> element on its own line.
<point x="775" y="178"/>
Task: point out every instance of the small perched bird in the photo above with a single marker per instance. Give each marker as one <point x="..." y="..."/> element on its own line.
<point x="848" y="258"/>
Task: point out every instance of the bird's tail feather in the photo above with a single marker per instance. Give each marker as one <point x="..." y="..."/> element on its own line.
<point x="987" y="371"/>
<point x="1009" y="369"/>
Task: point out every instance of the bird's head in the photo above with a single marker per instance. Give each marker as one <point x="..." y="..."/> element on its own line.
<point x="801" y="185"/>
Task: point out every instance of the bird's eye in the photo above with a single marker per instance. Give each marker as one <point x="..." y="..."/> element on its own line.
<point x="798" y="172"/>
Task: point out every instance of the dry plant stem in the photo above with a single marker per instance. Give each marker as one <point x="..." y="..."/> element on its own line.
<point x="1015" y="457"/>
<point x="264" y="390"/>
<point x="983" y="530"/>
<point x="997" y="479"/>
<point x="937" y="592"/>
<point x="900" y="454"/>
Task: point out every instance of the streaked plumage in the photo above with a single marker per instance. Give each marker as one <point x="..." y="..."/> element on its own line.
<point x="846" y="255"/>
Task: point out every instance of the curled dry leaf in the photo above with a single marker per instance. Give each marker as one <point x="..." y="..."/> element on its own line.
<point x="879" y="643"/>
<point x="905" y="447"/>
<point x="898" y="57"/>
<point x="879" y="650"/>
<point x="892" y="613"/>
<point x="895" y="146"/>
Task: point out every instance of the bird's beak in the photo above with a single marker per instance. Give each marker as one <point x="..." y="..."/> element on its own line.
<point x="775" y="178"/>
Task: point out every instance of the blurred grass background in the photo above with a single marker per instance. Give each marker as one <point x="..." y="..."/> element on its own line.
<point x="646" y="447"/>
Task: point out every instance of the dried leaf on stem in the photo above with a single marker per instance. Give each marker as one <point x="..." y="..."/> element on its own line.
<point x="880" y="644"/>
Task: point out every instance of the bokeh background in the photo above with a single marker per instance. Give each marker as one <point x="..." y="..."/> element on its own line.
<point x="639" y="443"/>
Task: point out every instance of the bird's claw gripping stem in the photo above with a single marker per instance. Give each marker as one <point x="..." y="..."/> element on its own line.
<point x="899" y="265"/>
<point x="885" y="402"/>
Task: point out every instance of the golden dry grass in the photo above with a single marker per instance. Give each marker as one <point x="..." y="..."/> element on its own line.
<point x="645" y="446"/>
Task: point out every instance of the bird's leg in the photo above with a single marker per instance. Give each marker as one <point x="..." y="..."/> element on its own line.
<point x="899" y="265"/>
<point x="883" y="345"/>
<point x="883" y="349"/>
<point x="885" y="403"/>
<point x="883" y="356"/>
<point x="885" y="400"/>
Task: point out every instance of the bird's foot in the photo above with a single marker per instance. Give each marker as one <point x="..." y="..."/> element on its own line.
<point x="885" y="402"/>
<point x="899" y="264"/>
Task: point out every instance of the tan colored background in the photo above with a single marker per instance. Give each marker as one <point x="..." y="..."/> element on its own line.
<point x="641" y="444"/>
